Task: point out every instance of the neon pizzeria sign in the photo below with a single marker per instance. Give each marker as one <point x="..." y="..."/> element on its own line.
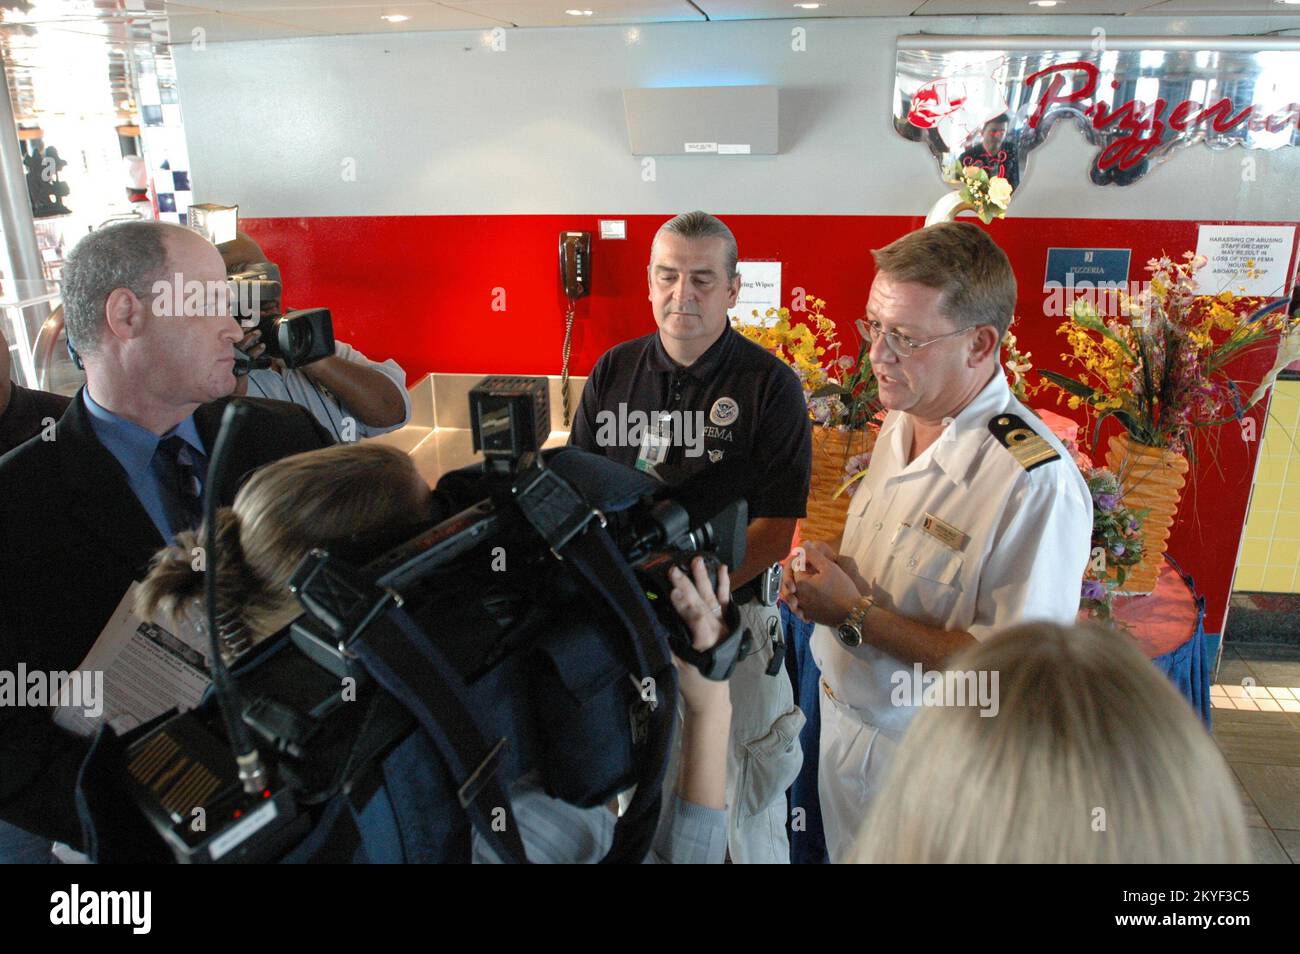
<point x="990" y="103"/>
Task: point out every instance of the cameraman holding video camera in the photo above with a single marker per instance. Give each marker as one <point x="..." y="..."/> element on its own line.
<point x="351" y="396"/>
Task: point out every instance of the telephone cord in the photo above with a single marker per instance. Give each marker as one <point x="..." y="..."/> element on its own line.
<point x="564" y="367"/>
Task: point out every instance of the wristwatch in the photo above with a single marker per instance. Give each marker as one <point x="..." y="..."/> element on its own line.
<point x="850" y="631"/>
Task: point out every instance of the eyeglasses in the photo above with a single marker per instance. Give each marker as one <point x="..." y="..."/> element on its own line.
<point x="902" y="345"/>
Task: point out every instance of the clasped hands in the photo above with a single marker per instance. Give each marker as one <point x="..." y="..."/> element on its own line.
<point x="817" y="587"/>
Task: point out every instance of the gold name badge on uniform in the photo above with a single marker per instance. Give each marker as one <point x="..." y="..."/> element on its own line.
<point x="944" y="532"/>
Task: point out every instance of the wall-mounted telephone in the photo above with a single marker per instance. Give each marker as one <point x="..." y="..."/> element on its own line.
<point x="575" y="264"/>
<point x="575" y="277"/>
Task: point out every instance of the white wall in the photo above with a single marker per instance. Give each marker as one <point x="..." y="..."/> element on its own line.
<point x="438" y="123"/>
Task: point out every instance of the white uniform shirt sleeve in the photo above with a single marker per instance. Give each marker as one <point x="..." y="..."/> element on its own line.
<point x="1034" y="569"/>
<point x="389" y="369"/>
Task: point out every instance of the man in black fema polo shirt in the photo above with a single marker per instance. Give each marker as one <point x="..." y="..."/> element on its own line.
<point x="694" y="394"/>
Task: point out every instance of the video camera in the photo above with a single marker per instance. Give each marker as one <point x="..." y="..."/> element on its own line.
<point x="526" y="632"/>
<point x="297" y="338"/>
<point x="670" y="531"/>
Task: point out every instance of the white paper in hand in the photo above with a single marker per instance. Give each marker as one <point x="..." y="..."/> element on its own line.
<point x="137" y="670"/>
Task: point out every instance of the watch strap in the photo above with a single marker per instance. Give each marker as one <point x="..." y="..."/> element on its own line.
<point x="859" y="612"/>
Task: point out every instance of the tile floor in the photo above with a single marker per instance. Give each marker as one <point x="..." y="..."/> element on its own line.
<point x="1256" y="715"/>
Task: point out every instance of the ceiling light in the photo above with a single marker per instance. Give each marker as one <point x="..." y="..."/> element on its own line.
<point x="395" y="18"/>
<point x="1290" y="3"/>
<point x="808" y="6"/>
<point x="1045" y="3"/>
<point x="579" y="13"/>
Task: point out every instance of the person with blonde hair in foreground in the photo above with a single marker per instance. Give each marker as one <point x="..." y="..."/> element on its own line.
<point x="348" y="498"/>
<point x="356" y="501"/>
<point x="1093" y="756"/>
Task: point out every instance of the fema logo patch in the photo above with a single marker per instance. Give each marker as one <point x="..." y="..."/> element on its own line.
<point x="724" y="412"/>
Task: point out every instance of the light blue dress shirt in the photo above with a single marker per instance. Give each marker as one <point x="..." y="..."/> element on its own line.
<point x="133" y="446"/>
<point x="555" y="832"/>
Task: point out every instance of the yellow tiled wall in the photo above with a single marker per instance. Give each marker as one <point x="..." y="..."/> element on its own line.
<point x="1270" y="549"/>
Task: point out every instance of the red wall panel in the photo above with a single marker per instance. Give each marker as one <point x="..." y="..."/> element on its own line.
<point x="421" y="289"/>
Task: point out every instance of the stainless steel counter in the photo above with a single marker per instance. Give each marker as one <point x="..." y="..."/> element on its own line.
<point x="438" y="436"/>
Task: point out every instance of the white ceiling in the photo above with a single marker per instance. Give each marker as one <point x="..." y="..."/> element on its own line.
<point x="224" y="20"/>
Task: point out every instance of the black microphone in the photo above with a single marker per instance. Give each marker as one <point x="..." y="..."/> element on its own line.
<point x="252" y="773"/>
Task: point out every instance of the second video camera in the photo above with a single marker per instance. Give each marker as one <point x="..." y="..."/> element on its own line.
<point x="297" y="337"/>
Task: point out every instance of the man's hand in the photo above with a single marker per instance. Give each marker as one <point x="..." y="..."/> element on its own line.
<point x="252" y="344"/>
<point x="823" y="593"/>
<point x="797" y="562"/>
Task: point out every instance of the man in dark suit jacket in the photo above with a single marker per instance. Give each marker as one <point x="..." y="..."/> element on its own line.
<point x="24" y="412"/>
<point x="78" y="525"/>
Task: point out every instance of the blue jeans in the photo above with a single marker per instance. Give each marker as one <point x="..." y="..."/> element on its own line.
<point x="807" y="847"/>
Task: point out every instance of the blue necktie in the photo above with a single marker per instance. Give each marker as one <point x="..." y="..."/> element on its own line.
<point x="179" y="467"/>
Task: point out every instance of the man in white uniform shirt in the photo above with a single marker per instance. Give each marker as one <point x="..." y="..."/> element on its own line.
<point x="972" y="516"/>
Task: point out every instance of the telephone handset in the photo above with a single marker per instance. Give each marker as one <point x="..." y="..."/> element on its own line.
<point x="575" y="277"/>
<point x="575" y="264"/>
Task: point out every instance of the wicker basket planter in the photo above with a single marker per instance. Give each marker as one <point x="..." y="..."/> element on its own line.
<point x="832" y="448"/>
<point x="1151" y="478"/>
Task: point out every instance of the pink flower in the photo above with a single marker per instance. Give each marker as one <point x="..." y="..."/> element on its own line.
<point x="855" y="465"/>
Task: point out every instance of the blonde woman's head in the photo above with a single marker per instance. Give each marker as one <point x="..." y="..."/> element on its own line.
<point x="344" y="498"/>
<point x="1093" y="756"/>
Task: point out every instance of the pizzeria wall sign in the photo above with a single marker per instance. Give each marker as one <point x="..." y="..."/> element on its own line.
<point x="991" y="101"/>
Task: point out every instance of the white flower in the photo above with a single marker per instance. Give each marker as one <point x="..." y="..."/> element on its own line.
<point x="999" y="192"/>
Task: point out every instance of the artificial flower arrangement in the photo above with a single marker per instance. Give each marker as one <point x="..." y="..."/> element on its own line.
<point x="1017" y="364"/>
<point x="840" y="390"/>
<point x="1158" y="364"/>
<point x="807" y="347"/>
<point x="1117" y="543"/>
<point x="988" y="196"/>
<point x="1117" y="539"/>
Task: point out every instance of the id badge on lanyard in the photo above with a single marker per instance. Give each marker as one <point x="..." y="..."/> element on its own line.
<point x="655" y="444"/>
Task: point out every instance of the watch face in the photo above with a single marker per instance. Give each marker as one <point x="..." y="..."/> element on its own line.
<point x="850" y="635"/>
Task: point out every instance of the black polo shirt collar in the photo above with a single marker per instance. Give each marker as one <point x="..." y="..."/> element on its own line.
<point x="705" y="366"/>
